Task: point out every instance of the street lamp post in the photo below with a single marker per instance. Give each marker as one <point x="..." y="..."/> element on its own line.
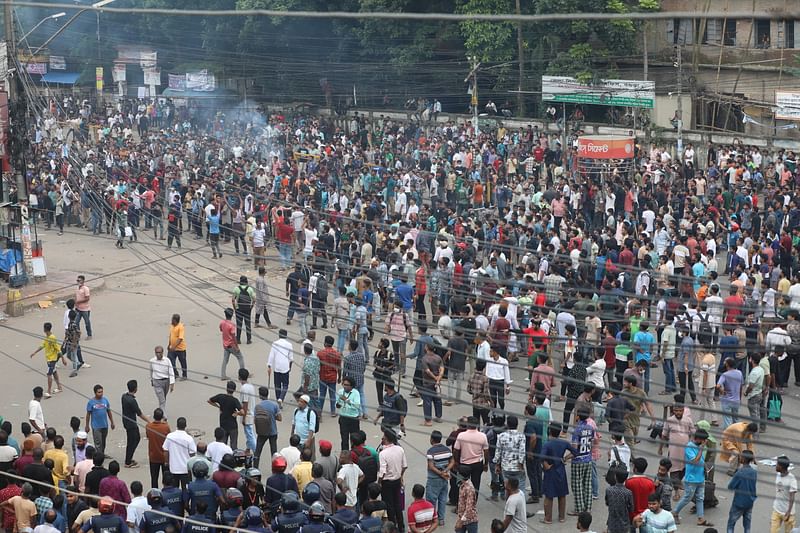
<point x="70" y="21"/>
<point x="54" y="16"/>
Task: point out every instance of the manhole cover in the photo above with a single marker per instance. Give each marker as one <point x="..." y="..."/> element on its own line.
<point x="195" y="433"/>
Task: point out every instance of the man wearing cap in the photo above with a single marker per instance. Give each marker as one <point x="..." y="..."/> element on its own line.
<point x="243" y="299"/>
<point x="280" y="362"/>
<point x="304" y="421"/>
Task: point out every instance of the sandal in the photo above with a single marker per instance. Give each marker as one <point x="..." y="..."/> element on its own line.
<point x="705" y="523"/>
<point x="543" y="521"/>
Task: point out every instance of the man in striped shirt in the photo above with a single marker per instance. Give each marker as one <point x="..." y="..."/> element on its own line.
<point x="440" y="461"/>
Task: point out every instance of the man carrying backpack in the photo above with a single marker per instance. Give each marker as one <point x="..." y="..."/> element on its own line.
<point x="265" y="417"/>
<point x="243" y="299"/>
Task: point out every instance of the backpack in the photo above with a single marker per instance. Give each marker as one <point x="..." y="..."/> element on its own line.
<point x="615" y="465"/>
<point x="262" y="420"/>
<point x="368" y="465"/>
<point x="308" y="418"/>
<point x="628" y="286"/>
<point x="704" y="332"/>
<point x="244" y="299"/>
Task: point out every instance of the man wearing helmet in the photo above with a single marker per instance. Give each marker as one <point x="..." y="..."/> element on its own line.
<point x="252" y="488"/>
<point x="233" y="504"/>
<point x="252" y="520"/>
<point x="106" y="521"/>
<point x="278" y="483"/>
<point x="154" y="521"/>
<point x="204" y="490"/>
<point x="316" y="517"/>
<point x="291" y="518"/>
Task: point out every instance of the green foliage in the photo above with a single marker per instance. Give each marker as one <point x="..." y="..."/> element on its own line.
<point x="488" y="41"/>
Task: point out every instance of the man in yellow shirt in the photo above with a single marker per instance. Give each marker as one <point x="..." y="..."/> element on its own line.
<point x="61" y="469"/>
<point x="302" y="470"/>
<point x="176" y="351"/>
<point x="52" y="353"/>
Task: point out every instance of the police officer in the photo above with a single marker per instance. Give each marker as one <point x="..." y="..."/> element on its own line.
<point x="203" y="489"/>
<point x="369" y="523"/>
<point x="311" y="493"/>
<point x="316" y="517"/>
<point x="277" y="484"/>
<point x="291" y="518"/>
<point x="153" y="521"/>
<point x="106" y="521"/>
<point x="233" y="501"/>
<point x="251" y="520"/>
<point x="199" y="522"/>
<point x="172" y="495"/>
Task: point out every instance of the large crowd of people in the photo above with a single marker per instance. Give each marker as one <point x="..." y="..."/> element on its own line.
<point x="477" y="256"/>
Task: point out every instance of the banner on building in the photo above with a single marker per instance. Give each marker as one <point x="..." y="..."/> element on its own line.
<point x="787" y="106"/>
<point x="98" y="78"/>
<point x="177" y="82"/>
<point x="200" y="81"/>
<point x="36" y="68"/>
<point x="629" y="93"/>
<point x="142" y="92"/>
<point x="148" y="59"/>
<point x="58" y="63"/>
<point x="119" y="73"/>
<point x="152" y="77"/>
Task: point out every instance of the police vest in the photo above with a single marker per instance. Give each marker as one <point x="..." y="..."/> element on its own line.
<point x="289" y="522"/>
<point x="229" y="516"/>
<point x="206" y="527"/>
<point x="173" y="500"/>
<point x="106" y="523"/>
<point x="370" y="524"/>
<point x="203" y="490"/>
<point x="155" y="523"/>
<point x="317" y="527"/>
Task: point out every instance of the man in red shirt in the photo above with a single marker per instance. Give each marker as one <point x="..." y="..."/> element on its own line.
<point x="421" y="289"/>
<point x="640" y="485"/>
<point x="229" y="344"/>
<point x="285" y="235"/>
<point x="733" y="306"/>
<point x="330" y="372"/>
<point x="422" y="516"/>
<point x="499" y="332"/>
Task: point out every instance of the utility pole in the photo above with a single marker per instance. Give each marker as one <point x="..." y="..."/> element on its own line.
<point x="521" y="61"/>
<point x="473" y="75"/>
<point x="679" y="66"/>
<point x="11" y="47"/>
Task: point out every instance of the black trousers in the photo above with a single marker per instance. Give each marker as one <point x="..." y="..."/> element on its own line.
<point x="475" y="473"/>
<point x="260" y="441"/>
<point x="243" y="315"/>
<point x="497" y="393"/>
<point x="683" y="377"/>
<point x="156" y="469"/>
<point x="347" y="425"/>
<point x="794" y="357"/>
<point x="482" y="414"/>
<point x="133" y="437"/>
<point x="266" y="315"/>
<point x="390" y="494"/>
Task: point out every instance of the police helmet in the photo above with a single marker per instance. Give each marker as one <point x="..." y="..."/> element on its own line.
<point x="233" y="497"/>
<point x="290" y="501"/>
<point x="105" y="506"/>
<point x="316" y="511"/>
<point x="311" y="493"/>
<point x="200" y="470"/>
<point x="253" y="516"/>
<point x="154" y="497"/>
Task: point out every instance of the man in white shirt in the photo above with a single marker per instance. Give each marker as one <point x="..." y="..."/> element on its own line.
<point x="216" y="450"/>
<point x="162" y="377"/>
<point x="137" y="507"/>
<point x="35" y="413"/>
<point x="179" y="446"/>
<point x="280" y="362"/>
<point x="248" y="396"/>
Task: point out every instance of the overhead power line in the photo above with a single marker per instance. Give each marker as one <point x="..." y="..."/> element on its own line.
<point x="788" y="14"/>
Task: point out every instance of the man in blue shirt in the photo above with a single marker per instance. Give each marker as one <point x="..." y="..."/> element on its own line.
<point x="304" y="421"/>
<point x="643" y="342"/>
<point x="743" y="484"/>
<point x="694" y="478"/>
<point x="213" y="232"/>
<point x="98" y="412"/>
<point x="583" y="437"/>
<point x="405" y="295"/>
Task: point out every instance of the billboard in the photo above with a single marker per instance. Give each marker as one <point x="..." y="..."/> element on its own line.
<point x="605" y="147"/>
<point x="787" y="106"/>
<point x="630" y="93"/>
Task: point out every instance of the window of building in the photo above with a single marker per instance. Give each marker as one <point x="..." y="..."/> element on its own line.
<point x="762" y="34"/>
<point x="680" y="31"/>
<point x="790" y="35"/>
<point x="713" y="31"/>
<point x="729" y="32"/>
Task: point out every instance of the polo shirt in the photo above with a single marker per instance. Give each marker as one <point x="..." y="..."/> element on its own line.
<point x="99" y="412"/>
<point x="471" y="444"/>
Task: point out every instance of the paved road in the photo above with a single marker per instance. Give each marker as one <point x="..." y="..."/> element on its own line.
<point x="146" y="284"/>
